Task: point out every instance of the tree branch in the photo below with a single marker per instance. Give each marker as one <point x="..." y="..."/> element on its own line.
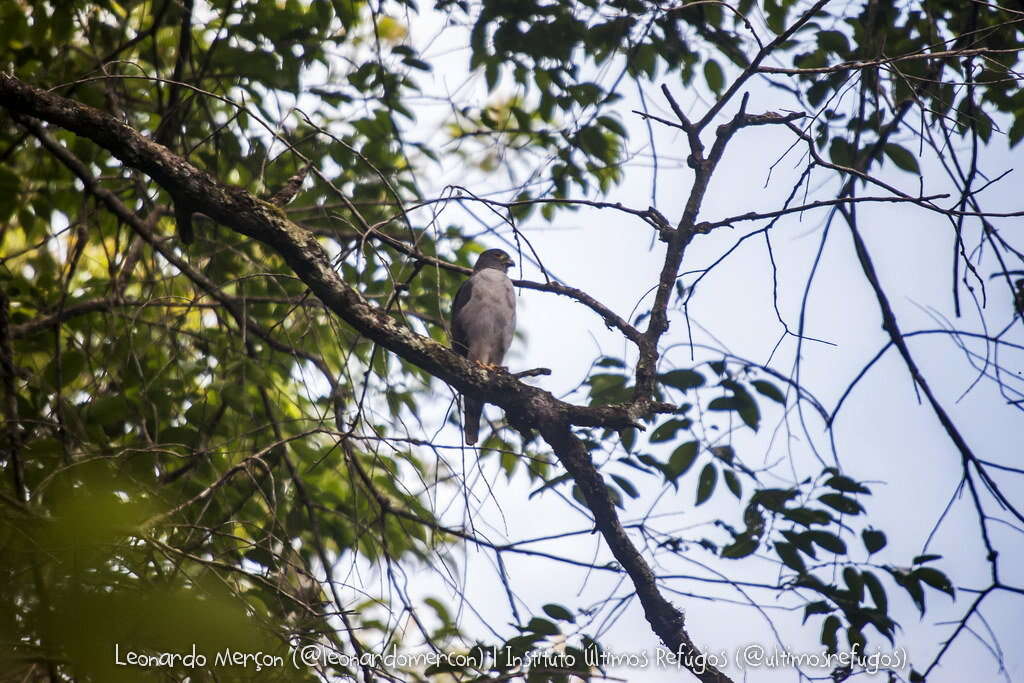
<point x="527" y="407"/>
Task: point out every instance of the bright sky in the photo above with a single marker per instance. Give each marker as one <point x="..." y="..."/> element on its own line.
<point x="884" y="435"/>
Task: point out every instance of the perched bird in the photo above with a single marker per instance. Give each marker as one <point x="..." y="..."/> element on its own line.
<point x="483" y="322"/>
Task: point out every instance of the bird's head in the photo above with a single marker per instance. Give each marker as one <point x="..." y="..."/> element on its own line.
<point x="494" y="258"/>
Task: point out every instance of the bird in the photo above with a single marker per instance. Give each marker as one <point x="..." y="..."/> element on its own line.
<point x="483" y="320"/>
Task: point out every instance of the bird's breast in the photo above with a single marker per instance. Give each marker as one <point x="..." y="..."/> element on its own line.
<point x="489" y="317"/>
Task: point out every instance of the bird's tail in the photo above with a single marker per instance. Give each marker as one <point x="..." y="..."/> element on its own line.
<point x="471" y="423"/>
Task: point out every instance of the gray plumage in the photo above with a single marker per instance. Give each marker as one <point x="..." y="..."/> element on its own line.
<point x="483" y="322"/>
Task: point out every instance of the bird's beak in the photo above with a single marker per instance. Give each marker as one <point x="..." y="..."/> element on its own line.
<point x="510" y="263"/>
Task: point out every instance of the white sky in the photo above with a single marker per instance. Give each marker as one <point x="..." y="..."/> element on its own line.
<point x="883" y="435"/>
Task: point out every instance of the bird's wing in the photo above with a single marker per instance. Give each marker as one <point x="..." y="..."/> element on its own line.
<point x="460" y="342"/>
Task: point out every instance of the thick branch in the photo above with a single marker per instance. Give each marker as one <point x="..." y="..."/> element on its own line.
<point x="665" y="620"/>
<point x="687" y="228"/>
<point x="527" y="407"/>
<point x="260" y="220"/>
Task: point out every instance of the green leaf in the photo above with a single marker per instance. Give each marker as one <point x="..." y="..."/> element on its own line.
<point x="650" y="461"/>
<point x="626" y="485"/>
<point x="733" y="482"/>
<point x="743" y="546"/>
<point x="807" y="516"/>
<point x="790" y="557"/>
<point x="615" y="496"/>
<point x="741" y="401"/>
<point x="542" y="626"/>
<point x="706" y="483"/>
<point x="234" y="395"/>
<point x="748" y="410"/>
<point x="903" y="158"/>
<point x="841" y="503"/>
<point x="558" y="612"/>
<point x="593" y="142"/>
<point x="936" y="579"/>
<point x="681" y="460"/>
<point x="417" y="64"/>
<point x="608" y="388"/>
<point x="843" y="483"/>
<point x="552" y="483"/>
<point x="818" y="607"/>
<point x="628" y="438"/>
<point x="829" y="629"/>
<point x="770" y="390"/>
<point x="714" y="76"/>
<point x="492" y="73"/>
<point x="801" y="541"/>
<point x="841" y="152"/>
<point x="612" y="125"/>
<point x="774" y="499"/>
<point x="834" y="41"/>
<point x="854" y="583"/>
<point x="202" y="414"/>
<point x="72" y="362"/>
<point x="921" y="559"/>
<point x="724" y="453"/>
<point x="108" y="410"/>
<point x="912" y="585"/>
<point x="1015" y="135"/>
<point x="828" y="541"/>
<point x="187" y="436"/>
<point x="577" y="495"/>
<point x="723" y="404"/>
<point x="877" y="591"/>
<point x="855" y="637"/>
<point x="874" y="540"/>
<point x="682" y="379"/>
<point x="667" y="430"/>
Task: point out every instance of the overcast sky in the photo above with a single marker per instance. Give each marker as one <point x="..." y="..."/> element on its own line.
<point x="884" y="435"/>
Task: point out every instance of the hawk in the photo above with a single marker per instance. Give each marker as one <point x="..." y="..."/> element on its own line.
<point x="483" y="321"/>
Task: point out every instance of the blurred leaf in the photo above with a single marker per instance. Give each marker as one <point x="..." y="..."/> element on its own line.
<point x="682" y="379"/>
<point x="842" y="483"/>
<point x="770" y="390"/>
<point x="681" y="461"/>
<point x="70" y="364"/>
<point x="819" y="607"/>
<point x="936" y="579"/>
<point x="829" y="629"/>
<point x="877" y="591"/>
<point x="558" y="612"/>
<point x="626" y="485"/>
<point x="874" y="540"/>
<point x="714" y="76"/>
<point x="902" y="158"/>
<point x="706" y="483"/>
<point x="733" y="482"/>
<point x="790" y="557"/>
<point x="543" y="627"/>
<point x="666" y="431"/>
<point x="828" y="541"/>
<point x="841" y="503"/>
